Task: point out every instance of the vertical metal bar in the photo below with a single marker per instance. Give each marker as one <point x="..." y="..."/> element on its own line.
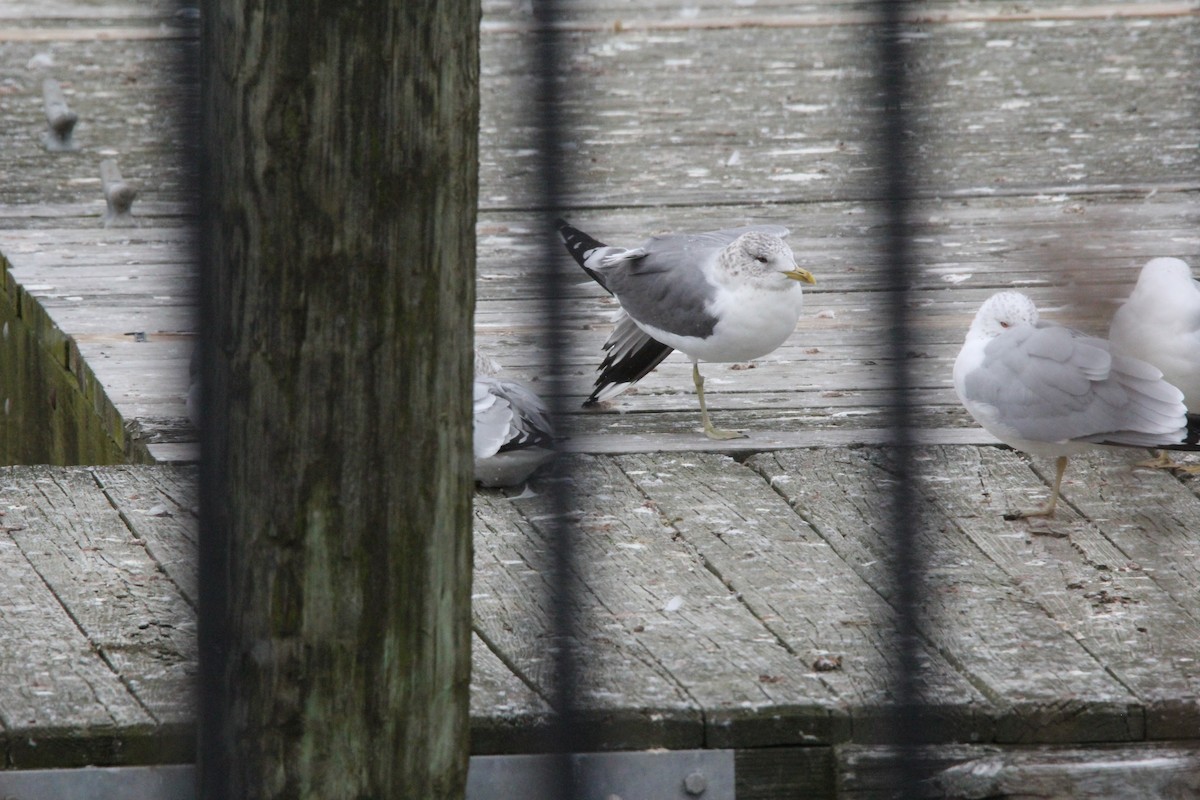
<point x="563" y="578"/>
<point x="213" y="746"/>
<point x="212" y="636"/>
<point x="894" y="158"/>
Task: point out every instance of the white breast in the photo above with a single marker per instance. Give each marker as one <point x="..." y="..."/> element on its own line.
<point x="752" y="324"/>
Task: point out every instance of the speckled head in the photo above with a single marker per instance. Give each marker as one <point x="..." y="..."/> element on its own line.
<point x="1001" y="312"/>
<point x="756" y="253"/>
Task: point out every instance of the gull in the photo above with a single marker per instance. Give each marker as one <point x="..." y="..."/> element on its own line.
<point x="1054" y="392"/>
<point x="512" y="434"/>
<point x="721" y="296"/>
<point x="1160" y="323"/>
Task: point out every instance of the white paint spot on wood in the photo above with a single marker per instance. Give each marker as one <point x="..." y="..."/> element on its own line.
<point x="797" y="177"/>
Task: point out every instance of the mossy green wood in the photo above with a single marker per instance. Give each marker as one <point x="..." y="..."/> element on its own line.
<point x="47" y="413"/>
<point x="342" y="184"/>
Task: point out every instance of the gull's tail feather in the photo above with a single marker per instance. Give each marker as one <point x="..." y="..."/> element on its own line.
<point x="631" y="355"/>
<point x="578" y="243"/>
<point x="1191" y="441"/>
<point x="617" y="376"/>
<point x="589" y="253"/>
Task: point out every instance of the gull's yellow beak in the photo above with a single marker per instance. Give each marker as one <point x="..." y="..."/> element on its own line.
<point x="798" y="274"/>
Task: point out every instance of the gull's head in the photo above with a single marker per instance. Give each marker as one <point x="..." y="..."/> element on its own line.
<point x="1166" y="272"/>
<point x="1002" y="312"/>
<point x="765" y="254"/>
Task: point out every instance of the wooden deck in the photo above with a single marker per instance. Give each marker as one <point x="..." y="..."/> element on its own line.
<point x="737" y="594"/>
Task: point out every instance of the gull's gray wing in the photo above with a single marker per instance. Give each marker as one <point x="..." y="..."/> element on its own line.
<point x="508" y="417"/>
<point x="1051" y="384"/>
<point x="492" y="419"/>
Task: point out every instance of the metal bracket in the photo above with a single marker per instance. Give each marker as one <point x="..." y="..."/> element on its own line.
<point x="663" y="775"/>
<point x="100" y="783"/>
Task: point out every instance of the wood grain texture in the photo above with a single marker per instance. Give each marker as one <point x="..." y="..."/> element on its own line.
<point x="507" y="716"/>
<point x="1104" y="598"/>
<point x="95" y="640"/>
<point x="1152" y="771"/>
<point x="788" y="121"/>
<point x="160" y="505"/>
<point x="112" y="588"/>
<point x="340" y="187"/>
<point x="1045" y="685"/>
<point x="801" y="590"/>
<point x="628" y="696"/>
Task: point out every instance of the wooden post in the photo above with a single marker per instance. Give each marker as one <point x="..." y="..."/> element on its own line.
<point x="338" y="255"/>
<point x="119" y="195"/>
<point x="59" y="116"/>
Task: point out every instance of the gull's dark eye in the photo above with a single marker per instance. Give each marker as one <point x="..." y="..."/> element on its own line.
<point x="1003" y="324"/>
<point x="761" y="259"/>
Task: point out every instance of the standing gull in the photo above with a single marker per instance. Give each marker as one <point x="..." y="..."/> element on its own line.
<point x="1054" y="392"/>
<point x="729" y="295"/>
<point x="512" y="434"/>
<point x="1160" y="323"/>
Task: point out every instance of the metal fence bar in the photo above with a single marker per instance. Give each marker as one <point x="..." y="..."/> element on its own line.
<point x="547" y="114"/>
<point x="895" y="160"/>
<point x="213" y="765"/>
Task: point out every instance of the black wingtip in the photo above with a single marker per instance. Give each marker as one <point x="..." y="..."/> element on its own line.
<point x="1191" y="441"/>
<point x="578" y="243"/>
<point x="629" y="370"/>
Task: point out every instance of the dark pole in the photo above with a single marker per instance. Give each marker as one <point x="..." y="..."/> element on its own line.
<point x="552" y="168"/>
<point x="895" y="158"/>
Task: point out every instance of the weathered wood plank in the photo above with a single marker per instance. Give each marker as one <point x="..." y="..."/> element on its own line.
<point x="1105" y="598"/>
<point x="785" y="773"/>
<point x="973" y="772"/>
<point x="990" y="242"/>
<point x="114" y="591"/>
<point x="753" y="688"/>
<point x="507" y="716"/>
<point x="625" y="14"/>
<point x="699" y="668"/>
<point x="630" y="700"/>
<point x="1151" y="517"/>
<point x="21" y="11"/>
<point x="160" y="506"/>
<point x="53" y="684"/>
<point x="1045" y="685"/>
<point x="608" y="443"/>
<point x="173" y="453"/>
<point x="798" y="130"/>
<point x="802" y="591"/>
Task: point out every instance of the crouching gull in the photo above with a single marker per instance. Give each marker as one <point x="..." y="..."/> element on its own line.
<point x="1160" y="323"/>
<point x="722" y="296"/>
<point x="512" y="428"/>
<point x="1054" y="392"/>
